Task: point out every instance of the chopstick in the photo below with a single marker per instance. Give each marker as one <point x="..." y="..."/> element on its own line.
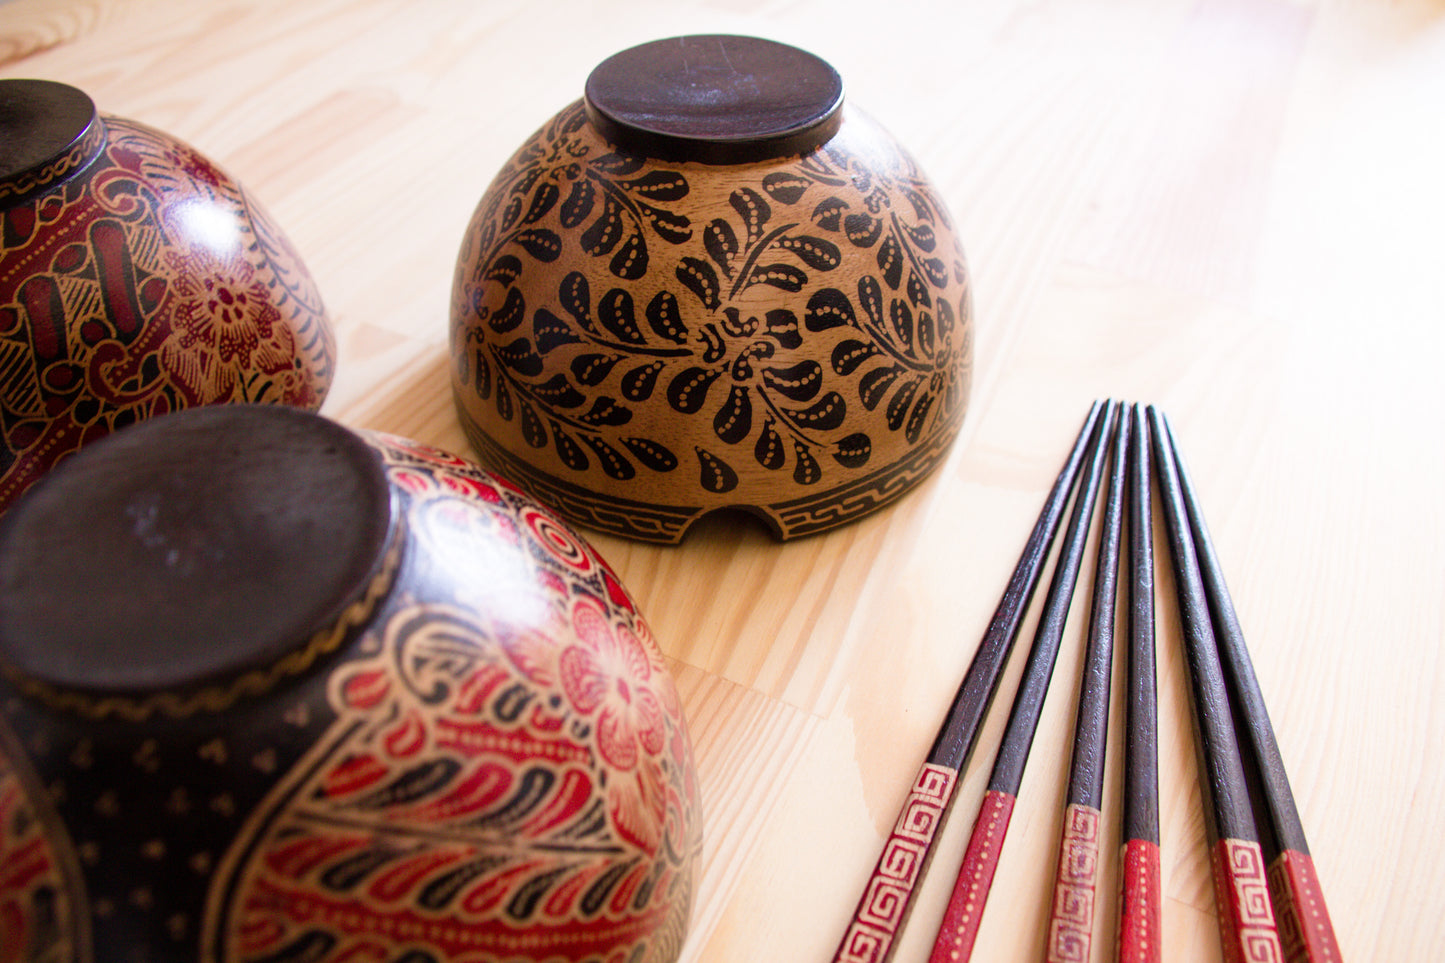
<point x="1139" y="906"/>
<point x="1302" y="917"/>
<point x="1071" y="912"/>
<point x="961" y="919"/>
<point x="1246" y="921"/>
<point x="888" y="895"/>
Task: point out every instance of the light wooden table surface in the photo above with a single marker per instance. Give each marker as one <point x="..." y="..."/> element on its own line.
<point x="1232" y="208"/>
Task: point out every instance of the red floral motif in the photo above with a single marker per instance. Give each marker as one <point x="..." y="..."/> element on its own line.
<point x="225" y="323"/>
<point x="609" y="676"/>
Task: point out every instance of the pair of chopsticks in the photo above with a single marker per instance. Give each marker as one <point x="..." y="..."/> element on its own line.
<point x="1109" y="431"/>
<point x="1252" y="863"/>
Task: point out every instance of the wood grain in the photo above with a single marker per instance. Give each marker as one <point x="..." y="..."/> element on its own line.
<point x="1230" y="209"/>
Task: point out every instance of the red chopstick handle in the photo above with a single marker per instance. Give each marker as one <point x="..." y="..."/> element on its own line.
<point x="965" y="908"/>
<point x="1305" y="931"/>
<point x="886" y="897"/>
<point x="1140" y="927"/>
<point x="1246" y="920"/>
<point x="1071" y="917"/>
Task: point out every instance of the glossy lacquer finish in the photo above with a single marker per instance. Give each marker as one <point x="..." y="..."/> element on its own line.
<point x="326" y="696"/>
<point x="708" y="285"/>
<point x="136" y="278"/>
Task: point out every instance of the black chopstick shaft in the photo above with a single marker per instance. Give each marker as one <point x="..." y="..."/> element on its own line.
<point x="1008" y="769"/>
<point x="1141" y="740"/>
<point x="1091" y="730"/>
<point x="956" y="739"/>
<point x="1244" y="691"/>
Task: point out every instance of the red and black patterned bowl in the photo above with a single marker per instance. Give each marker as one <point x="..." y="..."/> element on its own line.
<point x="136" y="278"/>
<point x="272" y="690"/>
<point x="707" y="285"/>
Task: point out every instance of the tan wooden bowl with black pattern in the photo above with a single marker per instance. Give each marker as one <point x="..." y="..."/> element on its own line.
<point x="710" y="284"/>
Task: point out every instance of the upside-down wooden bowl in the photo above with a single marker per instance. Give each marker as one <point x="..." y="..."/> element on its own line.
<point x="136" y="279"/>
<point x="707" y="285"/>
<point x="271" y="690"/>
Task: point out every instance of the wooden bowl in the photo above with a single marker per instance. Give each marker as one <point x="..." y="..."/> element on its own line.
<point x="271" y="690"/>
<point x="136" y="278"/>
<point x="707" y="285"/>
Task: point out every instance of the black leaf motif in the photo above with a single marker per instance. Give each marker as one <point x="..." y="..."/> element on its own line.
<point x="687" y="391"/>
<point x="542" y="202"/>
<point x="785" y="277"/>
<point x="849" y="354"/>
<point x="854" y="451"/>
<point x="504" y="400"/>
<point x="870" y="296"/>
<point x="717" y="475"/>
<point x="618" y="165"/>
<point x="604" y="233"/>
<point x="504" y="270"/>
<point x="734" y="420"/>
<point x="551" y="331"/>
<point x="742" y="366"/>
<point x="558" y="392"/>
<point x="672" y="228"/>
<point x="638" y="384"/>
<point x="665" y="317"/>
<point x="659" y="186"/>
<point x="511" y="314"/>
<point x="918" y="291"/>
<point x="543" y="245"/>
<point x="806" y="470"/>
<point x="532" y="431"/>
<point x="890" y="262"/>
<point x="917" y="417"/>
<point x="936" y="270"/>
<point x="829" y="213"/>
<point x="482" y="374"/>
<point x="874" y="385"/>
<point x="699" y="278"/>
<point x="818" y="254"/>
<point x="568" y="450"/>
<point x="576" y="297"/>
<point x="754" y="211"/>
<point x="799" y="382"/>
<point x="511" y="213"/>
<point x="630" y="261"/>
<point x="605" y="411"/>
<point x="945" y="319"/>
<point x="898" y="407"/>
<point x="863" y="230"/>
<point x="721" y="244"/>
<point x="921" y="207"/>
<point x="783" y="328"/>
<point x="902" y="319"/>
<point x="924" y="330"/>
<point x="769" y="450"/>
<point x="828" y="308"/>
<point x="578" y="204"/>
<point x="519" y="356"/>
<point x="922" y="237"/>
<point x="825" y="415"/>
<point x="617" y="316"/>
<point x="785" y="188"/>
<point x="612" y="461"/>
<point x="715" y="346"/>
<point x="650" y="453"/>
<point x="592" y="369"/>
